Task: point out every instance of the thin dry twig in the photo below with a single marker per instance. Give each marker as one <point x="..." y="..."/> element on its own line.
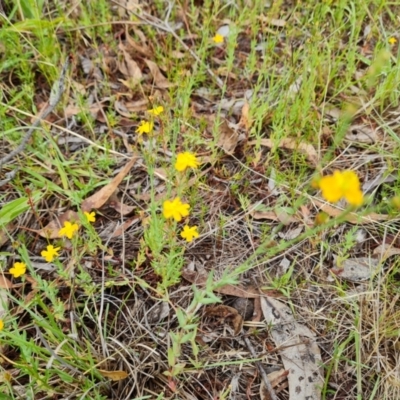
<point x="264" y="376"/>
<point x="55" y="97"/>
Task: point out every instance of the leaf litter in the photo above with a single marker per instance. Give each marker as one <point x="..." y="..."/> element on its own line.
<point x="135" y="80"/>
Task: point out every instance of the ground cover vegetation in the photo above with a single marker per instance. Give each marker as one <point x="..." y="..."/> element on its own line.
<point x="199" y="199"/>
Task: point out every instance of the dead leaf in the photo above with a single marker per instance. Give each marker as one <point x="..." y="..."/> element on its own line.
<point x="249" y="292"/>
<point x="128" y="66"/>
<point x="362" y="134"/>
<point x="50" y="231"/>
<point x="228" y="138"/>
<point x="226" y="312"/>
<point x="273" y="216"/>
<point x="245" y="120"/>
<point x="5" y="283"/>
<point x="291" y="144"/>
<point x="356" y="269"/>
<point x="353" y="218"/>
<point x="118" y="375"/>
<point x="119" y="207"/>
<point x="299" y="351"/>
<point x="386" y="250"/>
<point x="127" y="108"/>
<point x="275" y="378"/>
<point x="159" y="79"/>
<point x="99" y="198"/>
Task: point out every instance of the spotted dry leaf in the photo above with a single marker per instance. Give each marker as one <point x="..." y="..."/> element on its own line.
<point x="298" y="348"/>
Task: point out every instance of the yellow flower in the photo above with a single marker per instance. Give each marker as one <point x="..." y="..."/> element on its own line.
<point x="175" y="209"/>
<point x="18" y="269"/>
<point x="392" y="40"/>
<point x="342" y="184"/>
<point x="1" y="324"/>
<point x="144" y="127"/>
<point x="68" y="230"/>
<point x="50" y="253"/>
<point x="189" y="233"/>
<point x="156" y="111"/>
<point x="218" y="38"/>
<point x="185" y="160"/>
<point x="91" y="217"/>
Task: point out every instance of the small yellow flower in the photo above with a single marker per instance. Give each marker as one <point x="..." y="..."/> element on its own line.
<point x="342" y="184"/>
<point x="18" y="269"/>
<point x="1" y="324"/>
<point x="156" y="111"/>
<point x="175" y="209"/>
<point x="144" y="127"/>
<point x="68" y="230"/>
<point x="91" y="217"/>
<point x="185" y="160"/>
<point x="50" y="253"/>
<point x="189" y="233"/>
<point x="218" y="38"/>
<point x="392" y="40"/>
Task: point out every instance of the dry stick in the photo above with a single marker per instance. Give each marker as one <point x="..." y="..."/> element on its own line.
<point x="264" y="376"/>
<point x="55" y="96"/>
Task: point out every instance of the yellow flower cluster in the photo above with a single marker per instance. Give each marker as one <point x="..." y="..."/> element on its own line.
<point x="175" y="208"/>
<point x="147" y="126"/>
<point x="342" y="184"/>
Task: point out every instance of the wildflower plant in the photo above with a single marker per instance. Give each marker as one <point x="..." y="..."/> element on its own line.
<point x="186" y="160"/>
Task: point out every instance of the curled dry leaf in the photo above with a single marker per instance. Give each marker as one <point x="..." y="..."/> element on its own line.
<point x="274" y="216"/>
<point x="386" y="250"/>
<point x="51" y="230"/>
<point x="291" y="144"/>
<point x="128" y="66"/>
<point x="99" y="198"/>
<point x="228" y="138"/>
<point x="357" y="269"/>
<point x="297" y="346"/>
<point x="275" y="378"/>
<point x="159" y="79"/>
<point x="226" y="313"/>
<point x="114" y="375"/>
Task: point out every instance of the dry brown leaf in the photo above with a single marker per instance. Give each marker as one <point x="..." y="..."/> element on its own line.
<point x="99" y="198"/>
<point x="141" y="48"/>
<point x="353" y="218"/>
<point x="5" y="283"/>
<point x="225" y="312"/>
<point x="291" y="144"/>
<point x="249" y="292"/>
<point x="72" y="110"/>
<point x="128" y="66"/>
<point x="386" y="250"/>
<point x="114" y="375"/>
<point x="275" y="378"/>
<point x="50" y="231"/>
<point x="228" y="138"/>
<point x="159" y="79"/>
<point x="121" y="208"/>
<point x="245" y="121"/>
<point x="273" y="216"/>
